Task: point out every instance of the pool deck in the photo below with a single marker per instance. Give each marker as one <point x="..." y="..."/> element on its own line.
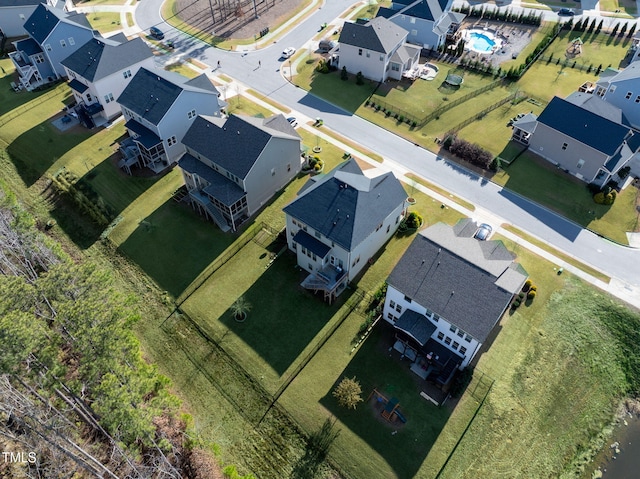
<point x="515" y="38"/>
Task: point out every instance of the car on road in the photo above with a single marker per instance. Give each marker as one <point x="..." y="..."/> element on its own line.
<point x="483" y="232"/>
<point x="288" y="52"/>
<point x="156" y="33"/>
<point x="566" y="12"/>
<point x="292" y="121"/>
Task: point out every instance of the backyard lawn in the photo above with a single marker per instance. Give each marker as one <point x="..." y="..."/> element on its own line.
<point x="104" y="22"/>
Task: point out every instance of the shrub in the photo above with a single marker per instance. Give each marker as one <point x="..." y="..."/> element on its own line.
<point x="322" y="67"/>
<point x="343" y="74"/>
<point x="414" y="220"/>
<point x="599" y="198"/>
<point x="527" y="285"/>
<point x="533" y="288"/>
<point x="521" y="296"/>
<point x="515" y="304"/>
<point x="401" y="119"/>
<point x="414" y="123"/>
<point x="531" y="295"/>
<point x="359" y="78"/>
<point x="366" y="103"/>
<point x="472" y="153"/>
<point x="348" y="393"/>
<point x="448" y="141"/>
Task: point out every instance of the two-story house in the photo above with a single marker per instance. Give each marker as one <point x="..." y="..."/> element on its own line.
<point x="445" y="296"/>
<point x="376" y="48"/>
<point x="339" y="222"/>
<point x="159" y="107"/>
<point x="428" y="22"/>
<point x="621" y="88"/>
<point x="53" y="35"/>
<point x="234" y="165"/>
<point x="100" y="70"/>
<point x="13" y="14"/>
<point x="582" y="134"/>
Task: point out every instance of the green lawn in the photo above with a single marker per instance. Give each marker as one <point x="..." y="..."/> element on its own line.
<point x="627" y="6"/>
<point x="183" y="69"/>
<point x="105" y="22"/>
<point x="240" y="105"/>
<point x="537" y="179"/>
<point x="89" y="3"/>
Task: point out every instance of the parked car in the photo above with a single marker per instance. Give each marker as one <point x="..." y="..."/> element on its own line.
<point x="292" y="121"/>
<point x="156" y="33"/>
<point x="288" y="52"/>
<point x="566" y="12"/>
<point x="327" y="45"/>
<point x="483" y="232"/>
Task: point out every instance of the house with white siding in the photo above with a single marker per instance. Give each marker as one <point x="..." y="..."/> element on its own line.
<point x="339" y="222"/>
<point x="100" y="70"/>
<point x="377" y="48"/>
<point x="445" y="296"/>
<point x="233" y="166"/>
<point x="159" y="107"/>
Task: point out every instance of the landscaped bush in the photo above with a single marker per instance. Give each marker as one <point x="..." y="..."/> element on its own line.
<point x="359" y="78"/>
<point x="343" y="74"/>
<point x="470" y="152"/>
<point x="531" y="295"/>
<point x="414" y="220"/>
<point x="605" y="197"/>
<point x="322" y="67"/>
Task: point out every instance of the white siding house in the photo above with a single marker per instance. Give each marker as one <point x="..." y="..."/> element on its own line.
<point x="340" y="221"/>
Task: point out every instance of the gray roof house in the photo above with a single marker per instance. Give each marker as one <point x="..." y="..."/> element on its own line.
<point x="58" y="34"/>
<point x="582" y="134"/>
<point x="429" y="22"/>
<point x="13" y="14"/>
<point x="445" y="296"/>
<point x="339" y="222"/>
<point x="621" y="88"/>
<point x="100" y="70"/>
<point x="377" y="48"/>
<point x="233" y="166"/>
<point x="159" y="107"/>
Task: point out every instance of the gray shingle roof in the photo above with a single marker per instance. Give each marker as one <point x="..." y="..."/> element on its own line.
<point x="151" y="94"/>
<point x="583" y="125"/>
<point x="18" y="3"/>
<point x="467" y="282"/>
<point x="416" y="325"/>
<point x="378" y="35"/>
<point x="220" y="187"/>
<point x="346" y="206"/>
<point x="598" y="106"/>
<point x="28" y="46"/>
<point x="99" y="58"/>
<point x="312" y="244"/>
<point x="235" y="143"/>
<point x="45" y="18"/>
<point x="425" y="9"/>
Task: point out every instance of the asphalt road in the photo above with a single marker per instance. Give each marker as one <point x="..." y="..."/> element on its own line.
<point x="621" y="263"/>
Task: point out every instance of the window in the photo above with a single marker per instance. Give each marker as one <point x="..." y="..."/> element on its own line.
<point x="294" y="245"/>
<point x="456" y="345"/>
<point x="638" y="99"/>
<point x="467" y="338"/>
<point x="40" y="59"/>
<point x="436" y="318"/>
<point x="392" y="304"/>
<point x="191" y="114"/>
<point x="460" y="332"/>
<point x="397" y="219"/>
<point x="310" y="267"/>
<point x="564" y="146"/>
<point x="21" y="15"/>
<point x="452" y="328"/>
<point x="390" y="316"/>
<point x="628" y="95"/>
<point x="388" y="228"/>
<point x="368" y="54"/>
<point x="288" y="166"/>
<point x="47" y="47"/>
<point x="414" y="32"/>
<point x="108" y="97"/>
<point x="379" y="226"/>
<point x="126" y="73"/>
<point x="398" y="308"/>
<point x="447" y="340"/>
<point x="612" y="88"/>
<point x="318" y="235"/>
<point x="440" y="335"/>
<point x="407" y="298"/>
<point x="63" y="43"/>
<point x="172" y="141"/>
<point x="304" y="250"/>
<point x="580" y="164"/>
<point x="395" y="67"/>
<point x="89" y="99"/>
<point x="412" y="20"/>
<point x="381" y="58"/>
<point x="360" y="51"/>
<point x="71" y="41"/>
<point x="463" y="350"/>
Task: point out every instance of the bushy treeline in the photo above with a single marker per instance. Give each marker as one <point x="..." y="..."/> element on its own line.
<point x="489" y="13"/>
<point x="470" y="152"/>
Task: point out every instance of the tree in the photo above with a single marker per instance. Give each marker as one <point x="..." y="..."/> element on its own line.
<point x="623" y="30"/>
<point x="615" y="29"/>
<point x="359" y="78"/>
<point x="599" y="27"/>
<point x="632" y="30"/>
<point x="348" y="393"/>
<point x="343" y="74"/>
<point x="240" y="308"/>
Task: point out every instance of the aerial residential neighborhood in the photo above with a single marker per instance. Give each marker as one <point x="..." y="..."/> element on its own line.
<point x="302" y="239"/>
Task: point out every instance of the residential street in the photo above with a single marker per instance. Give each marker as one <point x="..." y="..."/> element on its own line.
<point x="621" y="263"/>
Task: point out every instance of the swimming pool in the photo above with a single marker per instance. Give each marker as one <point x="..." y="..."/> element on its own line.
<point x="481" y="41"/>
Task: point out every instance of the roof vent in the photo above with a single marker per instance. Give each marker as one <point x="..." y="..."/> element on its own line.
<point x="238" y="132"/>
<point x="335" y="223"/>
<point x="347" y="216"/>
<point x="452" y="293"/>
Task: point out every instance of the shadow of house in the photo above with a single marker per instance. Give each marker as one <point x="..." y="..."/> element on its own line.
<point x="373" y="368"/>
<point x="37" y="149"/>
<point x="285" y="318"/>
<point x="173" y="245"/>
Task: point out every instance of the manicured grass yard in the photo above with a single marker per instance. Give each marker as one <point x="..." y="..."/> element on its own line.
<point x="537" y="179"/>
<point x="240" y="105"/>
<point x="105" y="22"/>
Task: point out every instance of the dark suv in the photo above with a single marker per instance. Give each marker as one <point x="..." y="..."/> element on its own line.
<point x="156" y="33"/>
<point x="565" y="12"/>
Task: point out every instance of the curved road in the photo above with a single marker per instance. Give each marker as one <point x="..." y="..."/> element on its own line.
<point x="621" y="263"/>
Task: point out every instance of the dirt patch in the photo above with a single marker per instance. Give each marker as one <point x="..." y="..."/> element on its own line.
<point x="236" y="19"/>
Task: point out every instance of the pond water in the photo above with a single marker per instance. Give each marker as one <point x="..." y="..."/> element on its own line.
<point x="623" y="463"/>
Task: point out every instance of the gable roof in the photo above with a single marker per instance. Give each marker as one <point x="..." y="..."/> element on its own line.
<point x="346" y="206"/>
<point x="631" y="72"/>
<point x="378" y="35"/>
<point x="28" y="46"/>
<point x="597" y="105"/>
<point x="45" y="18"/>
<point x="236" y="142"/>
<point x="467" y="282"/>
<point x="425" y="9"/>
<point x="19" y="3"/>
<point x="583" y="125"/>
<point x="151" y="94"/>
<point x="99" y="57"/>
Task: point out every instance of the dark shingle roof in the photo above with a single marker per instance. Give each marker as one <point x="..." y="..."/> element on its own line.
<point x="415" y="324"/>
<point x="425" y="9"/>
<point x="78" y="86"/>
<point x="235" y="143"/>
<point x="44" y="19"/>
<point x="18" y="3"/>
<point x="28" y="46"/>
<point x="346" y="206"/>
<point x="99" y="58"/>
<point x="467" y="282"/>
<point x="220" y="187"/>
<point x="583" y="125"/>
<point x="312" y="244"/>
<point x="379" y="35"/>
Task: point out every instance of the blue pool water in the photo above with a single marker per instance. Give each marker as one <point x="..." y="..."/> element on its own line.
<point x="481" y="42"/>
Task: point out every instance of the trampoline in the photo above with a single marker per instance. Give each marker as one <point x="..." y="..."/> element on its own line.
<point x="453" y="79"/>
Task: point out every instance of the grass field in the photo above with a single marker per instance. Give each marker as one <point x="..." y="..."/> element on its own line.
<point x="105" y="22"/>
<point x="182" y="69"/>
